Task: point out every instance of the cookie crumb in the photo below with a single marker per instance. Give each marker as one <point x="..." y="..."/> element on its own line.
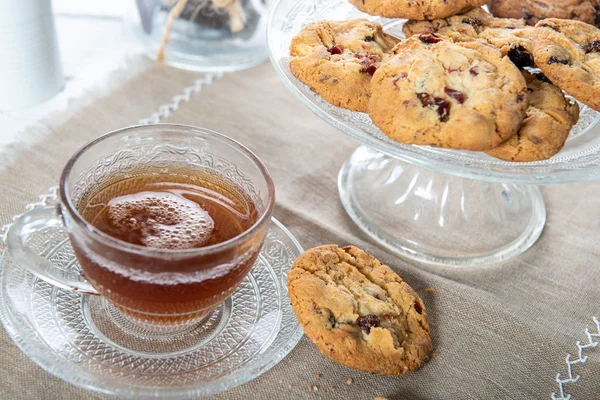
<point x="434" y="355"/>
<point x="349" y="381"/>
<point x="318" y="376"/>
<point x="430" y="290"/>
<point x="315" y="388"/>
<point x="289" y="387"/>
<point x="380" y="398"/>
<point x="331" y="387"/>
<point x="309" y="388"/>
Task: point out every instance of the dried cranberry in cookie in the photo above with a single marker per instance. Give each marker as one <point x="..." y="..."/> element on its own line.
<point x="463" y="95"/>
<point x="416" y="9"/>
<point x="568" y="54"/>
<point x="520" y="56"/>
<point x="337" y="59"/>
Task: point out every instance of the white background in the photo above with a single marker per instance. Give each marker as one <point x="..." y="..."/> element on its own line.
<point x="92" y="43"/>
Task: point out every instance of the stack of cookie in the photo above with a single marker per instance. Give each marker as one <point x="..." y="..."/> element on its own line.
<point x="468" y="81"/>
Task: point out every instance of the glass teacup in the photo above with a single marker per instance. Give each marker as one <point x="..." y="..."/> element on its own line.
<point x="161" y="287"/>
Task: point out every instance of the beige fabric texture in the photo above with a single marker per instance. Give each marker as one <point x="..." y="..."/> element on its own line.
<point x="499" y="333"/>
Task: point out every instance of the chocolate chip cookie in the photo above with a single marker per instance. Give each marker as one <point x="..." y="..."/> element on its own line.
<point x="568" y="52"/>
<point x="510" y="36"/>
<point x="337" y="59"/>
<point x="462" y="95"/>
<point x="535" y="10"/>
<point x="416" y="9"/>
<point x="358" y="312"/>
<point x="548" y="122"/>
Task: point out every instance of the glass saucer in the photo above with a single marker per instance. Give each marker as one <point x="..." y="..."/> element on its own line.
<point x="85" y="341"/>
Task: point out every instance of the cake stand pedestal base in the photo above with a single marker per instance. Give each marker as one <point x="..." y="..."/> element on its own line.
<point x="436" y="218"/>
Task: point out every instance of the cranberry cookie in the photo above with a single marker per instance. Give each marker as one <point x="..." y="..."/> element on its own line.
<point x="337" y="59"/>
<point x="568" y="52"/>
<point x="416" y="9"/>
<point x="534" y="10"/>
<point x="358" y="312"/>
<point x="462" y="95"/>
<point x="548" y="122"/>
<point x="510" y="36"/>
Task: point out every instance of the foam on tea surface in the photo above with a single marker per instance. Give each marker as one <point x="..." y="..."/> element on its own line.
<point x="178" y="209"/>
<point x="170" y="211"/>
<point x="160" y="220"/>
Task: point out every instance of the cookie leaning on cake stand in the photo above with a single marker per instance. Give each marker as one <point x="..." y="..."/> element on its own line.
<point x="436" y="206"/>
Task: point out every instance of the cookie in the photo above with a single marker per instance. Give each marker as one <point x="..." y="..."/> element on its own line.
<point x="548" y="122"/>
<point x="436" y="92"/>
<point x="510" y="36"/>
<point x="416" y="9"/>
<point x="470" y="23"/>
<point x="337" y="59"/>
<point x="358" y="312"/>
<point x="568" y="52"/>
<point x="535" y="10"/>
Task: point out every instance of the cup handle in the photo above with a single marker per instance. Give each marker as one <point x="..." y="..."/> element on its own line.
<point x="22" y="228"/>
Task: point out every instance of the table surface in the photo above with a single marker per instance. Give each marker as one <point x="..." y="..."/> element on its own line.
<point x="522" y="319"/>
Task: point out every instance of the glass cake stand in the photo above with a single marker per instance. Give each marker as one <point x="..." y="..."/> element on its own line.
<point x="436" y="206"/>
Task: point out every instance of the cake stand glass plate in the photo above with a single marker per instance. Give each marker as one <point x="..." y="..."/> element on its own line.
<point x="437" y="206"/>
<point x="85" y="341"/>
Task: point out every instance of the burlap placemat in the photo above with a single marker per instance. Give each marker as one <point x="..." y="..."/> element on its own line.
<point x="499" y="333"/>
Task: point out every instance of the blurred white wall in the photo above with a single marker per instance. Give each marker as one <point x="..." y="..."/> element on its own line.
<point x="100" y="8"/>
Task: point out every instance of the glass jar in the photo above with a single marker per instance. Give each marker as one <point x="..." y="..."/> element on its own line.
<point x="204" y="35"/>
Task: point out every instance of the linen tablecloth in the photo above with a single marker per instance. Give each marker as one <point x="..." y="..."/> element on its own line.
<point x="502" y="332"/>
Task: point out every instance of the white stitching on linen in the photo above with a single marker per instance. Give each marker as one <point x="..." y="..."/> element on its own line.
<point x="581" y="359"/>
<point x="164" y="111"/>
